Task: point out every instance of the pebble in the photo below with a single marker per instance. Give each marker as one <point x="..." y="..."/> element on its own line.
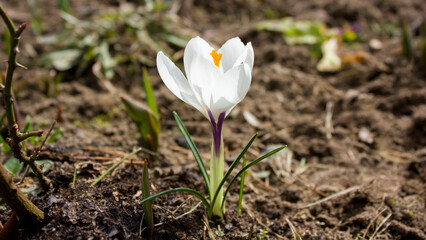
<point x="375" y="44"/>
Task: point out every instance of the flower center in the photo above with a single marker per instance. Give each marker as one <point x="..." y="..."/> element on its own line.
<point x="216" y="57"/>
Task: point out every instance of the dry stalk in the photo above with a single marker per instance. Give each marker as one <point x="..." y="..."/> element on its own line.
<point x="328" y="119"/>
<point x="338" y="194"/>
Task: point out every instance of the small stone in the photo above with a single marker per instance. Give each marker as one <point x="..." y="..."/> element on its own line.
<point x="375" y="44"/>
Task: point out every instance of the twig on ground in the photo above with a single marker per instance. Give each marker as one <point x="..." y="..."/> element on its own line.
<point x="380" y="225"/>
<point x="173" y="212"/>
<point x="296" y="235"/>
<point x="378" y="213"/>
<point x="190" y="211"/>
<point x="181" y="205"/>
<point x="100" y="158"/>
<point x="331" y="196"/>
<point x="209" y="230"/>
<point x="115" y="166"/>
<point x="371" y="222"/>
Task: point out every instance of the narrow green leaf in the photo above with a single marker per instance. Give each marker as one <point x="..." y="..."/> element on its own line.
<point x="6" y="39"/>
<point x="247" y="167"/>
<point x="28" y="125"/>
<point x="63" y="5"/>
<point x="146" y="121"/>
<point x="240" y="197"/>
<point x="422" y="46"/>
<point x="147" y="207"/>
<point x="55" y="136"/>
<point x="179" y="189"/>
<point x="150" y="100"/>
<point x="233" y="165"/>
<point x="407" y="42"/>
<point x="193" y="149"/>
<point x="114" y="167"/>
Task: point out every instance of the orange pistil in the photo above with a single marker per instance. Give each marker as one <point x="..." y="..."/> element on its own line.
<point x="216" y="57"/>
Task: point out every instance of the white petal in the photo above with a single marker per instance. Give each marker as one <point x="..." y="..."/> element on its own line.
<point x="231" y="50"/>
<point x="220" y="106"/>
<point x="202" y="76"/>
<point x="250" y="56"/>
<point x="247" y="56"/>
<point x="176" y="82"/>
<point x="231" y="88"/>
<point x="196" y="48"/>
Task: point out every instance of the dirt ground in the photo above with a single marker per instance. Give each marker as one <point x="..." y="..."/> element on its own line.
<point x="364" y="175"/>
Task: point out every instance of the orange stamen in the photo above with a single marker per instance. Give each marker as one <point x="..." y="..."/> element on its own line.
<point x="216" y="57"/>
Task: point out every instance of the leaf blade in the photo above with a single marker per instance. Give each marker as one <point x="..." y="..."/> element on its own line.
<point x="247" y="167"/>
<point x="179" y="189"/>
<point x="194" y="150"/>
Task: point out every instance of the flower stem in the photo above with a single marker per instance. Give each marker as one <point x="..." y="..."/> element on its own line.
<point x="216" y="176"/>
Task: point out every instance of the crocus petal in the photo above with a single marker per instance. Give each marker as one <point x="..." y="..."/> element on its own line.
<point x="231" y="50"/>
<point x="231" y="88"/>
<point x="202" y="76"/>
<point x="176" y="82"/>
<point x="247" y="56"/>
<point x="195" y="49"/>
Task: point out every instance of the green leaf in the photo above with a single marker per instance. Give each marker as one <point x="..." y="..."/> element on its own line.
<point x="240" y="197"/>
<point x="4" y="145"/>
<point x="146" y="121"/>
<point x="63" y="5"/>
<point x="407" y="42"/>
<point x="64" y="60"/>
<point x="247" y="167"/>
<point x="150" y="100"/>
<point x="108" y="63"/>
<point x="14" y="166"/>
<point x="55" y="136"/>
<point x="115" y="166"/>
<point x="147" y="206"/>
<point x="233" y="165"/>
<point x="194" y="150"/>
<point x="28" y="125"/>
<point x="6" y="39"/>
<point x="422" y="46"/>
<point x="47" y="164"/>
<point x="179" y="189"/>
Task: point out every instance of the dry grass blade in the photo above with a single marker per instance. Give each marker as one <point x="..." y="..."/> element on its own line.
<point x="328" y="119"/>
<point x="209" y="230"/>
<point x="174" y="211"/>
<point x="100" y="158"/>
<point x="380" y="225"/>
<point x="371" y="222"/>
<point x="296" y="235"/>
<point x="190" y="211"/>
<point x="332" y="196"/>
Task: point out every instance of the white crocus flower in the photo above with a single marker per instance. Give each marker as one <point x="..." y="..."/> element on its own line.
<point x="215" y="82"/>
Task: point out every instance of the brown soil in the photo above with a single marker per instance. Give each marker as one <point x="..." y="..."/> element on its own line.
<point x="376" y="150"/>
